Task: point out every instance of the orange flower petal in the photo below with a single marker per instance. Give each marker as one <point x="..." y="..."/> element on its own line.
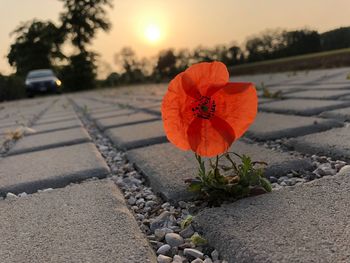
<point x="176" y="113"/>
<point x="237" y="104"/>
<point x="189" y="87"/>
<point x="207" y="74"/>
<point x="210" y="137"/>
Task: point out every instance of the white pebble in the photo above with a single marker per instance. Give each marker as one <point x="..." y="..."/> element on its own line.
<point x="164" y="259"/>
<point x="11" y="195"/>
<point x="215" y="255"/>
<point x="193" y="252"/>
<point x="163" y="250"/>
<point x="174" y="239"/>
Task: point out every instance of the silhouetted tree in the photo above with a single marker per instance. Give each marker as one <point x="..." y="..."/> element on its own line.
<point x="36" y="45"/>
<point x="81" y="19"/>
<point x="276" y="43"/>
<point x="133" y="69"/>
<point x="299" y="42"/>
<point x="166" y="64"/>
<point x="80" y="73"/>
<point x="11" y="87"/>
<point x="336" y="39"/>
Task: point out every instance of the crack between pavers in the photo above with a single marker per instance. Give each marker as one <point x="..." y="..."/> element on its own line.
<point x="11" y="143"/>
<point x="85" y="118"/>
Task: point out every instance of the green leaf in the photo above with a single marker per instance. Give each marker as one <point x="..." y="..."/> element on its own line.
<point x="195" y="187"/>
<point x="198" y="240"/>
<point x="186" y="222"/>
<point x="265" y="184"/>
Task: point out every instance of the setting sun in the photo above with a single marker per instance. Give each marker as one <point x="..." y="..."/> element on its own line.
<point x="152" y="33"/>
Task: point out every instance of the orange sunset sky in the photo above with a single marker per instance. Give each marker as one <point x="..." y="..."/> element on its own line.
<point x="149" y="26"/>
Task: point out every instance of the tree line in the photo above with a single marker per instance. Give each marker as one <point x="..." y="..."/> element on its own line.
<point x="38" y="44"/>
<point x="270" y="44"/>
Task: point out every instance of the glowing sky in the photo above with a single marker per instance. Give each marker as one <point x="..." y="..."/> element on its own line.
<point x="182" y="23"/>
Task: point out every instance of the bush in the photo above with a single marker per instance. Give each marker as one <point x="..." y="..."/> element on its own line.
<point x="80" y="73"/>
<point x="11" y="87"/>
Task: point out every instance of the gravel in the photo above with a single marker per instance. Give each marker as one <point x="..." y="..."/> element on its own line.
<point x="160" y="221"/>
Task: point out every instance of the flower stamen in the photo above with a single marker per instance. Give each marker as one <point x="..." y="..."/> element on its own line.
<point x="204" y="107"/>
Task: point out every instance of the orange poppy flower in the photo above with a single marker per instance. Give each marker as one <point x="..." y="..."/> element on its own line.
<point x="204" y="112"/>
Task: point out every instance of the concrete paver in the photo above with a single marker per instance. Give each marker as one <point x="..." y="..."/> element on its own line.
<point x="318" y="94"/>
<point x="306" y="223"/>
<point x="62" y="125"/>
<point x="137" y="135"/>
<point x="51" y="168"/>
<point x="87" y="222"/>
<point x="166" y="167"/>
<point x="334" y="143"/>
<point x="340" y="114"/>
<point x="111" y="113"/>
<point x="306" y="107"/>
<point x="49" y="120"/>
<point x="135" y="118"/>
<point x="270" y="126"/>
<point x="42" y="141"/>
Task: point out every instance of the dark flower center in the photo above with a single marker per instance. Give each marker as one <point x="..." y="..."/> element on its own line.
<point x="204" y="107"/>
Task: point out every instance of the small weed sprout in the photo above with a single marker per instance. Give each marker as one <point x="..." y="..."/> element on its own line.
<point x="231" y="181"/>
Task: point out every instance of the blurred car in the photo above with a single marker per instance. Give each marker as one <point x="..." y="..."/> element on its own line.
<point x="42" y="81"/>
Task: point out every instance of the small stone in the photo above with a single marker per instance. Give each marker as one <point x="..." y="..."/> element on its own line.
<point x="215" y="255"/>
<point x="197" y="260"/>
<point x="11" y="195"/>
<point x="193" y="253"/>
<point x="344" y="171"/>
<point x="164" y="259"/>
<point x="140" y="201"/>
<point x="282" y="179"/>
<point x="103" y="148"/>
<point x="174" y="239"/>
<point x="187" y="232"/>
<point x="150" y="203"/>
<point x="177" y="259"/>
<point x="140" y="216"/>
<point x="186" y="245"/>
<point x="321" y="159"/>
<point x="151" y="197"/>
<point x="164" y="249"/>
<point x="22" y="194"/>
<point x="273" y="179"/>
<point x="207" y="260"/>
<point x="165" y="205"/>
<point x="160" y="220"/>
<point x="291" y="181"/>
<point x="159" y="234"/>
<point x="131" y="200"/>
<point x="182" y="204"/>
<point x="283" y="184"/>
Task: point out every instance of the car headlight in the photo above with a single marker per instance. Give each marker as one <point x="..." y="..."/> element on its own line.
<point x="58" y="82"/>
<point x="27" y="82"/>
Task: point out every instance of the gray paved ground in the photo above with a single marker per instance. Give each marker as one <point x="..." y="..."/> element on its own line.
<point x="335" y="142"/>
<point x="166" y="167"/>
<point x="50" y="168"/>
<point x="142" y="134"/>
<point x="270" y="126"/>
<point x="88" y="222"/>
<point x="306" y="223"/>
<point x="42" y="141"/>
